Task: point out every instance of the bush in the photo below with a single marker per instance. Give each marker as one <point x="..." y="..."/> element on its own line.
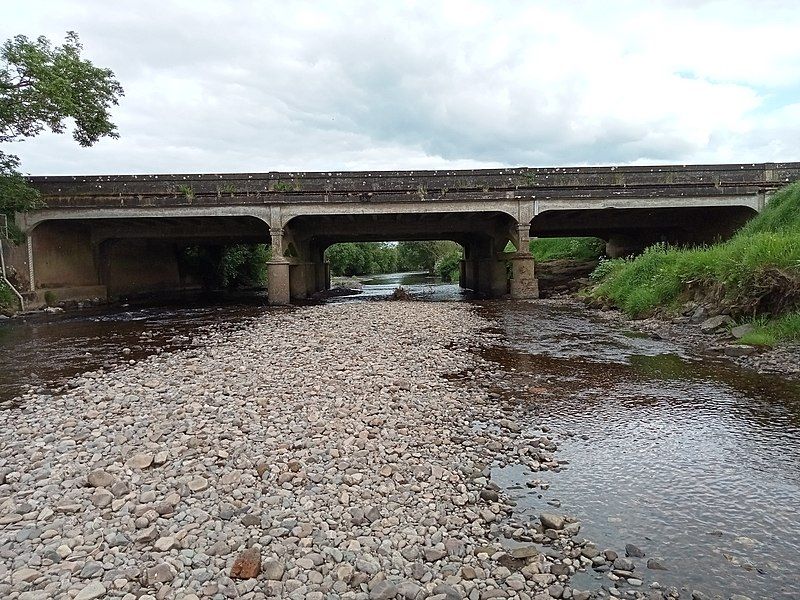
<point x="235" y="266"/>
<point x="448" y="267"/>
<point x="8" y="301"/>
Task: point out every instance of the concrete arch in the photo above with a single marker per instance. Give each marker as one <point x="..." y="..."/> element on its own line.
<point x="629" y="230"/>
<point x="484" y="234"/>
<point x="27" y="222"/>
<point x="77" y="258"/>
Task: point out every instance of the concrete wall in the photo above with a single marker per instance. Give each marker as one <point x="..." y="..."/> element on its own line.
<point x="63" y="255"/>
<point x="139" y="266"/>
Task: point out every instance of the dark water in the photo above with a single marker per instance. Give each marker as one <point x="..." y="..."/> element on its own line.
<point x="695" y="461"/>
<point x="45" y="350"/>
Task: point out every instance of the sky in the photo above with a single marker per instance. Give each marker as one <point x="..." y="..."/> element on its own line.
<point x="253" y="86"/>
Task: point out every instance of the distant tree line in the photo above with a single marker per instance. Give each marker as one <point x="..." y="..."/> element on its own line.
<point x="369" y="258"/>
<point x="245" y="265"/>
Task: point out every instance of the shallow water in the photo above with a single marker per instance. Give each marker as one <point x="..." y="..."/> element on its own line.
<point x="45" y="350"/>
<point x="695" y="461"/>
<point x="421" y="285"/>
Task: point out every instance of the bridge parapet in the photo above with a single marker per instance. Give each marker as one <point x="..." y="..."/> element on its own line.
<point x="411" y="186"/>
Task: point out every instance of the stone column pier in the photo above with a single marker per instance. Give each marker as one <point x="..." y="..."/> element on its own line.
<point x="524" y="285"/>
<point x="278" y="286"/>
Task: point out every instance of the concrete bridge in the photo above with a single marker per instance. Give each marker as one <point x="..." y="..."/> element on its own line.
<point x="120" y="234"/>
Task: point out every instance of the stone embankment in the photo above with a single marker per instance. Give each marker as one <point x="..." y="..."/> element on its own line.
<point x="324" y="452"/>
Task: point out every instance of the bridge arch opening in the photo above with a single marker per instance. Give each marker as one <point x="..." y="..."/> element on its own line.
<point x="110" y="257"/>
<point x="630" y="230"/>
<point x="483" y="236"/>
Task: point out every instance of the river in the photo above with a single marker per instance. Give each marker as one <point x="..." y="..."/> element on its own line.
<point x="692" y="459"/>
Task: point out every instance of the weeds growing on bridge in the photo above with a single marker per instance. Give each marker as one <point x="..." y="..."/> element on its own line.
<point x="187" y="191"/>
<point x="285" y="186"/>
<point x="756" y="274"/>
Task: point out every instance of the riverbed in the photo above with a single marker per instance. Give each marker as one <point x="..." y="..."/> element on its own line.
<point x="691" y="459"/>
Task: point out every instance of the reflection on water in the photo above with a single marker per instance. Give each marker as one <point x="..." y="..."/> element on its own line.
<point x="695" y="461"/>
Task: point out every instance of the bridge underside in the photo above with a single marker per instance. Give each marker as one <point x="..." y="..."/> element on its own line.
<point x="630" y="230"/>
<point x="299" y="270"/>
<point x="83" y="258"/>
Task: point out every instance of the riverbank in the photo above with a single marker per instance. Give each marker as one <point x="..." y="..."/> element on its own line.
<point x="754" y="277"/>
<point x="301" y="438"/>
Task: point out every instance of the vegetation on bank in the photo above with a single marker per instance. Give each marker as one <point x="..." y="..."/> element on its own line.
<point x="226" y="267"/>
<point x="361" y="258"/>
<point x="8" y="301"/>
<point x="575" y="248"/>
<point x="755" y="275"/>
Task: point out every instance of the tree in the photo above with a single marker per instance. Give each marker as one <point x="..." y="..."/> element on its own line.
<point x="45" y="87"/>
<point x="361" y="258"/>
<point x="414" y="256"/>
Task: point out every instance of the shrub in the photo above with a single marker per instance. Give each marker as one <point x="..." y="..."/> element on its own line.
<point x="448" y="267"/>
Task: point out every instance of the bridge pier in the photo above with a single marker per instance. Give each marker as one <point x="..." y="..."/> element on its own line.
<point x="279" y="290"/>
<point x="523" y="285"/>
<point x="278" y="278"/>
<point x="301" y="274"/>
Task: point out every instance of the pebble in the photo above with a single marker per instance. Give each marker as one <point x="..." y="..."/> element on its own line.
<point x="92" y="591"/>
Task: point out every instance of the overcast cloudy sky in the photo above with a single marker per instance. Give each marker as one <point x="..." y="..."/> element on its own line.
<point x="217" y="86"/>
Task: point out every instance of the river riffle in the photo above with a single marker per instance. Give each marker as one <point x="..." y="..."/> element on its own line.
<point x="693" y="460"/>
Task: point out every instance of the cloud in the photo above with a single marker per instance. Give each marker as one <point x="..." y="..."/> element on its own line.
<point x="254" y="86"/>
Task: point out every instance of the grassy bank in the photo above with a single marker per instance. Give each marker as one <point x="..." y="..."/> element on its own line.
<point x="576" y="248"/>
<point x="755" y="275"/>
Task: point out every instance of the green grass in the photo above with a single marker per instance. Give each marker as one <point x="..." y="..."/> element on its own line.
<point x="577" y="248"/>
<point x="662" y="276"/>
<point x="768" y="332"/>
